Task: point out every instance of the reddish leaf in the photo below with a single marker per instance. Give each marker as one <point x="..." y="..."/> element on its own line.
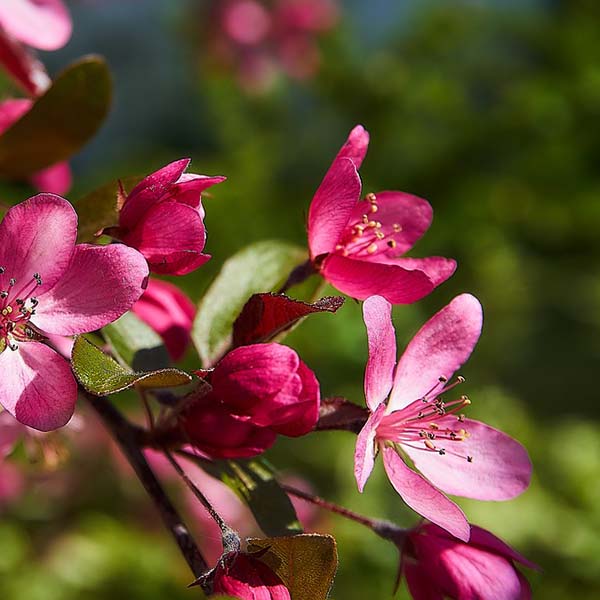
<point x="266" y="315"/>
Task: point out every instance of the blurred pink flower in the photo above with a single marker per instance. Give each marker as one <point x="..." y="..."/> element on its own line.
<point x="49" y="284"/>
<point x="258" y="391"/>
<point x="357" y="244"/>
<point x="166" y="309"/>
<point x="260" y="38"/>
<point x="437" y="565"/>
<point x="162" y="217"/>
<point x="454" y="454"/>
<point x="41" y="24"/>
<point x="55" y="179"/>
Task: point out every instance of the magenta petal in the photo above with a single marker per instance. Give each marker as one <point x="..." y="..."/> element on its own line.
<point x="423" y="497"/>
<point x="177" y="263"/>
<point x="102" y="282"/>
<point x="377" y="314"/>
<point x="500" y="470"/>
<point x="189" y="187"/>
<point x="355" y="147"/>
<point x="332" y="206"/>
<point x="361" y="279"/>
<point x="37" y="236"/>
<point x="437" y="268"/>
<point x="364" y="453"/>
<point x="149" y="191"/>
<point x="23" y="66"/>
<point x="55" y="179"/>
<point x="42" y="24"/>
<point x="420" y="584"/>
<point x="438" y="349"/>
<point x="12" y="110"/>
<point x="484" y="539"/>
<point x="10" y="432"/>
<point x="37" y="386"/>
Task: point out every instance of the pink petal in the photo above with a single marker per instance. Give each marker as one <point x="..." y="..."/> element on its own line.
<point x="437" y="268"/>
<point x="178" y="263"/>
<point x="420" y="584"/>
<point x="377" y="314"/>
<point x="189" y="187"/>
<point x="411" y="213"/>
<point x="101" y="283"/>
<point x="12" y="110"/>
<point x="364" y="453"/>
<point x="37" y="236"/>
<point x="438" y="349"/>
<point x="361" y="279"/>
<point x="56" y="179"/>
<point x="332" y="206"/>
<point x="23" y="66"/>
<point x="484" y="539"/>
<point x="37" y="386"/>
<point x="149" y="191"/>
<point x="423" y="497"/>
<point x="525" y="587"/>
<point x="500" y="470"/>
<point x="166" y="309"/>
<point x="43" y="24"/>
<point x="355" y="147"/>
<point x="171" y="236"/>
<point x="10" y="432"/>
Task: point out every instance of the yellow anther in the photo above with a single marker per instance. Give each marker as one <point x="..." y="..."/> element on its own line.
<point x="372" y="224"/>
<point x="372" y="248"/>
<point x="374" y="208"/>
<point x="396" y="227"/>
<point x="371" y="197"/>
<point x="429" y="444"/>
<point x="365" y="219"/>
<point x="392" y="243"/>
<point x="379" y="235"/>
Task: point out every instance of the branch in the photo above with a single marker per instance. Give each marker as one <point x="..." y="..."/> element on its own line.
<point x="128" y="437"/>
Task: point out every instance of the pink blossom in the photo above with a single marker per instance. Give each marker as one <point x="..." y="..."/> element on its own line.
<point x="41" y="24"/>
<point x="49" y="284"/>
<point x="454" y="454"/>
<point x="357" y="245"/>
<point x="437" y="565"/>
<point x="162" y="217"/>
<point x="166" y="309"/>
<point x="55" y="179"/>
<point x="258" y="391"/>
<point x="244" y="576"/>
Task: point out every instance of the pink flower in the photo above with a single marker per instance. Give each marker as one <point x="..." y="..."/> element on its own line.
<point x="49" y="284"/>
<point x="258" y="391"/>
<point x="436" y="565"/>
<point x="454" y="454"/>
<point x="357" y="244"/>
<point x="55" y="179"/>
<point x="243" y="576"/>
<point x="42" y="24"/>
<point x="166" y="309"/>
<point x="163" y="218"/>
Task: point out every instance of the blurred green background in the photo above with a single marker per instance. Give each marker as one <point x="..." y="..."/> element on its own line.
<point x="489" y="110"/>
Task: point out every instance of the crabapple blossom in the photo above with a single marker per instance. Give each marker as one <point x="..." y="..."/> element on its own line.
<point x="452" y="453"/>
<point x="357" y="245"/>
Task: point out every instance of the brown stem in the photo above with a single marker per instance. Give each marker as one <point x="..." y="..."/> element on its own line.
<point x="298" y="275"/>
<point x="128" y="438"/>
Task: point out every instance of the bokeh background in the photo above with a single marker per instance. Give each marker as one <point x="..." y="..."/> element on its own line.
<point x="489" y="110"/>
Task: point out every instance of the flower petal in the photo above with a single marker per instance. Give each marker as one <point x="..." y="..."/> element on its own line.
<point x="55" y="179"/>
<point x="438" y="349"/>
<point x="37" y="236"/>
<point x="149" y="191"/>
<point x="23" y="66"/>
<point x="377" y="314"/>
<point x="332" y="206"/>
<point x="42" y="24"/>
<point x="420" y="584"/>
<point x="484" y="539"/>
<point x="10" y="431"/>
<point x="12" y="110"/>
<point x="355" y="147"/>
<point x="364" y="453"/>
<point x="423" y="497"/>
<point x="361" y="279"/>
<point x="437" y="268"/>
<point x="189" y="187"/>
<point x="500" y="470"/>
<point x="101" y="283"/>
<point x="37" y="386"/>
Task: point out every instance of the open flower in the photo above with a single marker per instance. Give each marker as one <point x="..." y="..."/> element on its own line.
<point x="437" y="565"/>
<point x="258" y="391"/>
<point x="166" y="309"/>
<point x="50" y="285"/>
<point x="357" y="245"/>
<point x="41" y="24"/>
<point x="163" y="218"/>
<point x="56" y="178"/>
<point x="454" y="454"/>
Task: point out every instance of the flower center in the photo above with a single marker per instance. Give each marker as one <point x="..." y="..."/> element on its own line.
<point x="17" y="306"/>
<point x="368" y="237"/>
<point x="416" y="426"/>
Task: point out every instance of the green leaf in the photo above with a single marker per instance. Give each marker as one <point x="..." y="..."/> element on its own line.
<point x="135" y="343"/>
<point x="255" y="484"/>
<point x="261" y="267"/>
<point x="98" y="209"/>
<point x="305" y="563"/>
<point x="100" y="374"/>
<point x="61" y="121"/>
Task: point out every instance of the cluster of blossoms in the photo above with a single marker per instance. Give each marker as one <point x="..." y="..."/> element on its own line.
<point x="54" y="290"/>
